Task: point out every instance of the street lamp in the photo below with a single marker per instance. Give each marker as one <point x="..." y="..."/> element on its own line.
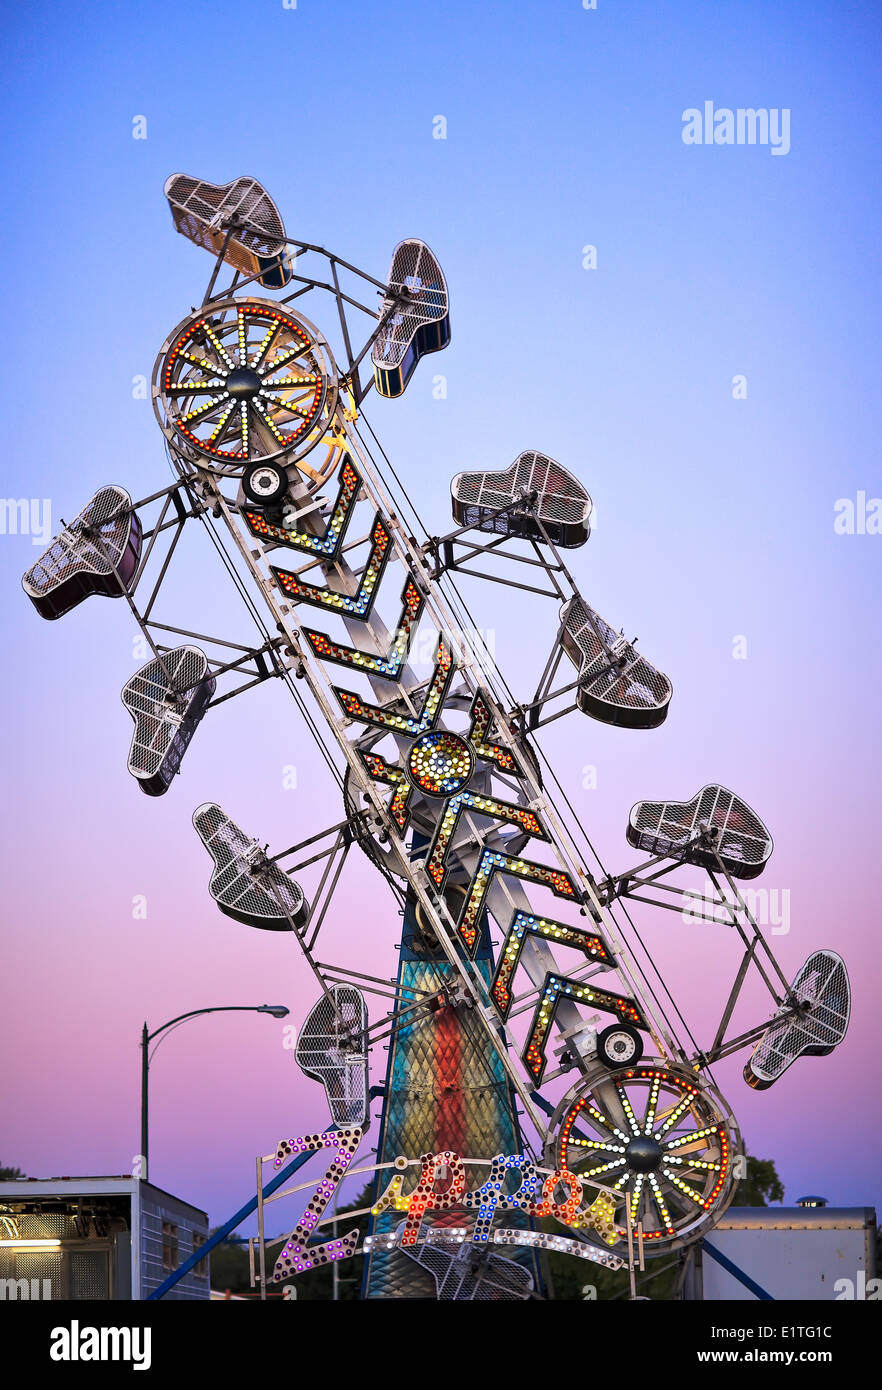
<point x="274" y="1010"/>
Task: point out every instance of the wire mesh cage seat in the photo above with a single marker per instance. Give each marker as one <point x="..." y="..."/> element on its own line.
<point x="559" y="501"/>
<point x="166" y="698"/>
<point x="464" y="1273"/>
<point x="419" y="306"/>
<point x="616" y="684"/>
<point x="205" y="213"/>
<point x="714" y="821"/>
<point x="822" y="985"/>
<point x="332" y="1049"/>
<point x="245" y="884"/>
<point x="97" y="553"/>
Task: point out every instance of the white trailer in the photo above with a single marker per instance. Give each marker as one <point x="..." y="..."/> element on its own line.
<point x="809" y="1254"/>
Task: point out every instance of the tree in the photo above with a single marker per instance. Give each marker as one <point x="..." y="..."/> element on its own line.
<point x="10" y="1174"/>
<point x="761" y="1182"/>
<point x="229" y="1267"/>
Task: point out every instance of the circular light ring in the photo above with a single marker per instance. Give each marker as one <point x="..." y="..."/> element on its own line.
<point x="227" y="400"/>
<point x="688" y="1191"/>
<point x="440" y="763"/>
<point x="242" y="382"/>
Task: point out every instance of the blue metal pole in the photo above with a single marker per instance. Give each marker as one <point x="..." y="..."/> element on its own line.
<point x="223" y="1231"/>
<point x="736" y="1272"/>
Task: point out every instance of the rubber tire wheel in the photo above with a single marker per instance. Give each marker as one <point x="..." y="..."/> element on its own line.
<point x="605" y="1044"/>
<point x="261" y="496"/>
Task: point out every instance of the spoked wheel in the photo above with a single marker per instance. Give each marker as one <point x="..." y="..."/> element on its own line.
<point x="265" y="483"/>
<point x="663" y="1138"/>
<point x="619" y="1046"/>
<point x="242" y="382"/>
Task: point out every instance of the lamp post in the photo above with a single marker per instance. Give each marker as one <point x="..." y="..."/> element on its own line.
<point x="275" y="1010"/>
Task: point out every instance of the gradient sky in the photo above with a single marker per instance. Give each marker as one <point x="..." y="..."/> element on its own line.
<point x="714" y="515"/>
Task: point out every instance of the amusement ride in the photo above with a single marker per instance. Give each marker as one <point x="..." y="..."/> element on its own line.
<point x="543" y="1094"/>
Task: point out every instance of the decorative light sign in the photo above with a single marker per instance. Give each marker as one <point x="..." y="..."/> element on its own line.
<point x="440" y="1187"/>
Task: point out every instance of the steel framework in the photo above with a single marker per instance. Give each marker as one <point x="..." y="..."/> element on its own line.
<point x="444" y="784"/>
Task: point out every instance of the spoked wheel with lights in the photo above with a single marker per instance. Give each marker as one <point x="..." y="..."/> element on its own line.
<point x="243" y="383"/>
<point x="662" y="1137"/>
<point x="428" y="767"/>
